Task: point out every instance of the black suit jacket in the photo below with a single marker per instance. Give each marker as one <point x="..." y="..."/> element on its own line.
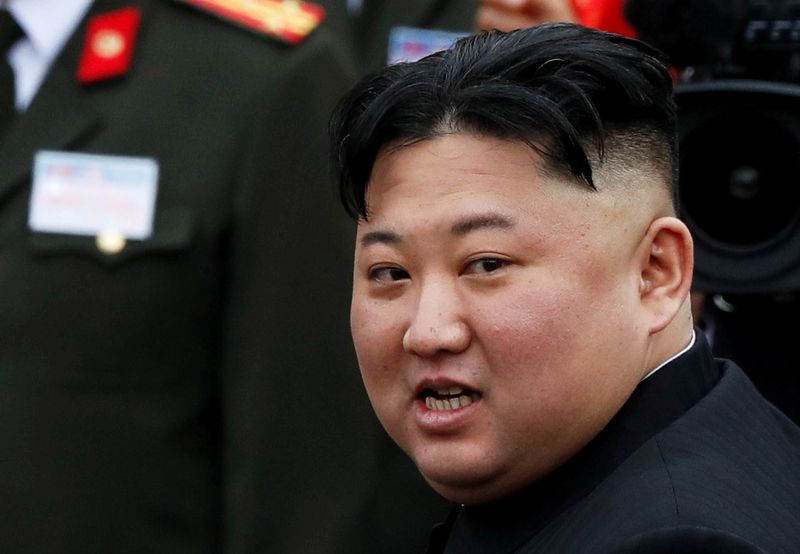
<point x="696" y="461"/>
<point x="197" y="391"/>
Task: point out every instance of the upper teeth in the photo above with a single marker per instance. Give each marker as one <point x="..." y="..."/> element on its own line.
<point x="448" y="403"/>
<point x="455" y="397"/>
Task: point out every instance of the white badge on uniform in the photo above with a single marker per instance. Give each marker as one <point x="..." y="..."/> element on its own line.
<point x="93" y="195"/>
<point x="409" y="44"/>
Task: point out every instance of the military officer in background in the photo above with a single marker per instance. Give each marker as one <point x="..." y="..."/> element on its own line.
<point x="378" y="19"/>
<point x="370" y="27"/>
<point x="176" y="371"/>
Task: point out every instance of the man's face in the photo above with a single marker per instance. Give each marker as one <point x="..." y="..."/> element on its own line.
<point x="496" y="313"/>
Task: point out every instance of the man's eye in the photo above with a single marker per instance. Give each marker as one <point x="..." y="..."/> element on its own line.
<point x="485" y="265"/>
<point x="388" y="274"/>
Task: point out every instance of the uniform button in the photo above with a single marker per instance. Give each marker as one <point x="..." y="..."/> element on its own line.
<point x="110" y="242"/>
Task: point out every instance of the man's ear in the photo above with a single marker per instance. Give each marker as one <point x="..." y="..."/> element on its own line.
<point x="665" y="260"/>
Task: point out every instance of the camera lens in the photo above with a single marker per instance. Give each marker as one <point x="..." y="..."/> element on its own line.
<point x="738" y="179"/>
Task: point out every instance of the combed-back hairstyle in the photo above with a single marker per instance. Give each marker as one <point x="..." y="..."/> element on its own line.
<point x="559" y="88"/>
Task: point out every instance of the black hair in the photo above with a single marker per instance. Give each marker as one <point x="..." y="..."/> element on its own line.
<point x="556" y="87"/>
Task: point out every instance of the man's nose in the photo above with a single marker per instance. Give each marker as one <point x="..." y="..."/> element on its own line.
<point x="438" y="324"/>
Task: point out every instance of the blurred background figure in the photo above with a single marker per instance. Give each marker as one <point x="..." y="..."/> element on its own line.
<point x="507" y="15"/>
<point x="378" y="17"/>
<point x="367" y="25"/>
<point x="176" y="371"/>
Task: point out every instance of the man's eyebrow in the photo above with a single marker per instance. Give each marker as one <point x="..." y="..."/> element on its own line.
<point x="481" y="221"/>
<point x="380" y="237"/>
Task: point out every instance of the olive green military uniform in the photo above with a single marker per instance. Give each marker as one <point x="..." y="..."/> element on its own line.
<point x="196" y="391"/>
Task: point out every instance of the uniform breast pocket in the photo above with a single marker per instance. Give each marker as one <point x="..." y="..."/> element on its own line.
<point x="105" y="311"/>
<point x="173" y="232"/>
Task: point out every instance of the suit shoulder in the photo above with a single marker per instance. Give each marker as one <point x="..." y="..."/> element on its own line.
<point x="732" y="463"/>
<point x="687" y="540"/>
<point x="734" y="442"/>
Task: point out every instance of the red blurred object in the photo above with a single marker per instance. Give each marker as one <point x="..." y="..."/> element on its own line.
<point x="288" y="20"/>
<point x="109" y="44"/>
<point x="605" y="15"/>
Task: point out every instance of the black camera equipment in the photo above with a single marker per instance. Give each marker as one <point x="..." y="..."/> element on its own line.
<point x="739" y="119"/>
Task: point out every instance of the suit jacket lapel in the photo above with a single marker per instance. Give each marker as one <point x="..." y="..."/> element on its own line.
<point x="61" y="116"/>
<point x="58" y="118"/>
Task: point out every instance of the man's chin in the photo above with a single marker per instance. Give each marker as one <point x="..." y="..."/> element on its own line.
<point x="479" y="481"/>
<point x="462" y="482"/>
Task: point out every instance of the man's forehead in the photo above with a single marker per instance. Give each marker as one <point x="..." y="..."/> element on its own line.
<point x="464" y="182"/>
<point x="487" y="142"/>
<point x="450" y="169"/>
<point x="453" y="162"/>
<point x="459" y="227"/>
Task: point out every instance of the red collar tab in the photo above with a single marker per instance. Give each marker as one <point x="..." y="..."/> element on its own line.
<point x="290" y="21"/>
<point x="108" y="48"/>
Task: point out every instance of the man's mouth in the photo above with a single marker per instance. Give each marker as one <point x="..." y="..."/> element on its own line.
<point x="451" y="398"/>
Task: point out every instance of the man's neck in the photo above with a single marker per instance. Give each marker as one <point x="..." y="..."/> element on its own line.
<point x="674" y="356"/>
